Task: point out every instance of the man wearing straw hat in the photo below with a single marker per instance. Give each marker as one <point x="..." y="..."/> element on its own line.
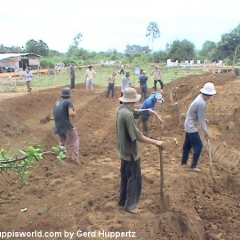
<point x="128" y="137"/>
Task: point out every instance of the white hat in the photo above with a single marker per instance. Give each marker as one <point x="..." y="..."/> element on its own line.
<point x="208" y="89"/>
<point x="144" y="72"/>
<point x="130" y="96"/>
<point x="158" y="97"/>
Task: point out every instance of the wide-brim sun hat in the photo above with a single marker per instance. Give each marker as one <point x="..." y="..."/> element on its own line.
<point x="65" y="93"/>
<point x="130" y="95"/>
<point x="208" y="89"/>
<point x="158" y="97"/>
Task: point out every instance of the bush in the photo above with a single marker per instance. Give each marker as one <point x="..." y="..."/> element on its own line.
<point x="44" y="63"/>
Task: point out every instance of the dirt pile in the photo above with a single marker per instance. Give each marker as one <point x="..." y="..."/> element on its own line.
<point x="62" y="196"/>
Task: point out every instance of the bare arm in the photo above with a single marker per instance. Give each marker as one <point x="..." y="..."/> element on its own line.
<point x="71" y="112"/>
<point x="145" y="139"/>
<point x="144" y="111"/>
<point x="157" y="116"/>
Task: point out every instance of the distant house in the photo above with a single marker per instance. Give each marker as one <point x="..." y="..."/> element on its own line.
<point x="15" y="62"/>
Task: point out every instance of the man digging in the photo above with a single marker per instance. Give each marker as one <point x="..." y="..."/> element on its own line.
<point x="195" y="116"/>
<point x="128" y="136"/>
<point x="62" y="110"/>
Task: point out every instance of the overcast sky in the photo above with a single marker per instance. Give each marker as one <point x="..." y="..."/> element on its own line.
<point x="111" y="24"/>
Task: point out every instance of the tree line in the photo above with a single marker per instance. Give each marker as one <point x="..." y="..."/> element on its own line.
<point x="227" y="49"/>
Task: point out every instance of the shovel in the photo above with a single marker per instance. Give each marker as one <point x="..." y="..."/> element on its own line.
<point x="210" y="157"/>
<point x="162" y="172"/>
<point x="164" y="200"/>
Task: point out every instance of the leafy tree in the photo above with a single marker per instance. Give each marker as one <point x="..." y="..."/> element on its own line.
<point x="160" y="56"/>
<point x="13" y="49"/>
<point x="77" y="39"/>
<point x="208" y="51"/>
<point x="137" y="49"/>
<point x="54" y="53"/>
<point x="181" y="50"/>
<point x="72" y="49"/>
<point x="229" y="45"/>
<point x="153" y="32"/>
<point x="37" y="47"/>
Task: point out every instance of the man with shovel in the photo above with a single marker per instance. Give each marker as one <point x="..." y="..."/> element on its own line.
<point x="196" y="115"/>
<point x="128" y="137"/>
<point x="67" y="133"/>
<point x="149" y="103"/>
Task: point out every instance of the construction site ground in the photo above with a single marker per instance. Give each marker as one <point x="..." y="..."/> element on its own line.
<point x="66" y="197"/>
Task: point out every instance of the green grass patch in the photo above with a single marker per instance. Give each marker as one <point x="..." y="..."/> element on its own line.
<point x="63" y="78"/>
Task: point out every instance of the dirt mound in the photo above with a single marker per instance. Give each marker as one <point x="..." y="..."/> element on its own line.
<point x="62" y="196"/>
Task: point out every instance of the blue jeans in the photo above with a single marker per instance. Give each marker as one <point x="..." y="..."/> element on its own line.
<point x="192" y="140"/>
<point x="131" y="184"/>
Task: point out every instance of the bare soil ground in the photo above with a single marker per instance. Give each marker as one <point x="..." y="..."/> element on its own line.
<point x="63" y="196"/>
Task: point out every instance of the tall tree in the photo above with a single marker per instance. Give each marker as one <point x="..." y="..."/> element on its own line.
<point x="209" y="51"/>
<point x="77" y="39"/>
<point x="230" y="44"/>
<point x="153" y="32"/>
<point x="181" y="50"/>
<point x="38" y="47"/>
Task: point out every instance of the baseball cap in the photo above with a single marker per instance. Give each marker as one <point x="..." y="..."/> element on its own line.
<point x="158" y="97"/>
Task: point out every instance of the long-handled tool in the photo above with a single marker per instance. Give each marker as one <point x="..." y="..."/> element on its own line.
<point x="162" y="172"/>
<point x="210" y="157"/>
<point x="164" y="199"/>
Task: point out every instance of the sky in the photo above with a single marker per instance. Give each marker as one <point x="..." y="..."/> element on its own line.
<point x="111" y="24"/>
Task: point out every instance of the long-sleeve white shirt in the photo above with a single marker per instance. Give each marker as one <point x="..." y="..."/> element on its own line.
<point x="125" y="82"/>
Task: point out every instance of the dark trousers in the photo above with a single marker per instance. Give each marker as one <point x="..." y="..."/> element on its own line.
<point x="110" y="89"/>
<point x="192" y="140"/>
<point x="131" y="184"/>
<point x="121" y="71"/>
<point x="72" y="82"/>
<point x="160" y="82"/>
<point x="144" y="91"/>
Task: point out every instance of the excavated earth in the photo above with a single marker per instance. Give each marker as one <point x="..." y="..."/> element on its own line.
<point x="66" y="197"/>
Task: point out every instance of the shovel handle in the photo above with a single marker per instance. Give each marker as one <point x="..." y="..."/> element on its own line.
<point x="210" y="157"/>
<point x="162" y="171"/>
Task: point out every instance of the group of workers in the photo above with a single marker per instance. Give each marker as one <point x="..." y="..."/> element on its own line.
<point x="128" y="134"/>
